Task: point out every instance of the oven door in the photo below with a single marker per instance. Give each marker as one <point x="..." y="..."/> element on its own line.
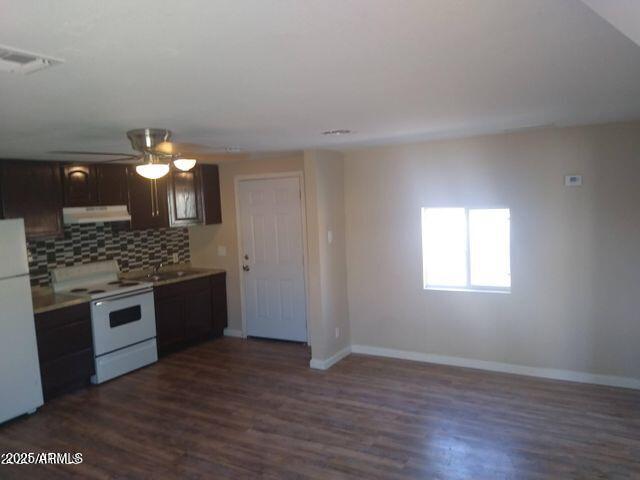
<point x="122" y="320"/>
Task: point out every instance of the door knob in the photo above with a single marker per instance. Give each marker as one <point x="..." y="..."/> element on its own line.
<point x="245" y="268"/>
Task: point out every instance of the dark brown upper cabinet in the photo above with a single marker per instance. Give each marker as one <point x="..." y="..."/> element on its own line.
<point x="79" y="185"/>
<point x="210" y="187"/>
<point x="147" y="201"/>
<point x="192" y="198"/>
<point x="89" y="185"/>
<point x="33" y="191"/>
<point x="184" y="197"/>
<point x="112" y="185"/>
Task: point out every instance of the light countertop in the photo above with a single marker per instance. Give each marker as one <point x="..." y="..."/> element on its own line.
<point x="189" y="273"/>
<point x="45" y="300"/>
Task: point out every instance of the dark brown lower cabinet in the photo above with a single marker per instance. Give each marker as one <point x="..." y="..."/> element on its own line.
<point x="198" y="321"/>
<point x="170" y="325"/>
<point x="219" y="302"/>
<point x="65" y="349"/>
<point x="190" y="311"/>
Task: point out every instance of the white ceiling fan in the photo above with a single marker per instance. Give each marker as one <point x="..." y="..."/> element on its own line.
<point x="157" y="152"/>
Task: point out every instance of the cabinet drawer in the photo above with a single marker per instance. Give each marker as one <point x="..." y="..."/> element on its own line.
<point x="62" y="316"/>
<point x="182" y="288"/>
<point x="63" y="340"/>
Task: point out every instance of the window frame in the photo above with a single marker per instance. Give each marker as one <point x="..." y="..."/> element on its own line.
<point x="469" y="286"/>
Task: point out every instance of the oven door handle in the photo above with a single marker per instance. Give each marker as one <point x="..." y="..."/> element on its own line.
<point x="97" y="303"/>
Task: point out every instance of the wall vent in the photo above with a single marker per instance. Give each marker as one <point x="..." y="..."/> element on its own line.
<point x="13" y="60"/>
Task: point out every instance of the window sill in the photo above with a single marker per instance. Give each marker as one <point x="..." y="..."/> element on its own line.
<point x="470" y="290"/>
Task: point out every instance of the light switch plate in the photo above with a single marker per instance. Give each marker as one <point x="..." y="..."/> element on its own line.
<point x="222" y="251"/>
<point x="573" y="180"/>
<point x="330" y="236"/>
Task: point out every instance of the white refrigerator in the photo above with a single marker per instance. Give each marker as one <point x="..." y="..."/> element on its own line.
<point x="20" y="385"/>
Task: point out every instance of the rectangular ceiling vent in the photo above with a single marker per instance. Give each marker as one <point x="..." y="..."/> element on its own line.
<point x="18" y="61"/>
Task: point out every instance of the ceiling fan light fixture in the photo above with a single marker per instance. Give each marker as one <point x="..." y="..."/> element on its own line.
<point x="184" y="164"/>
<point x="152" y="171"/>
<point x="152" y="168"/>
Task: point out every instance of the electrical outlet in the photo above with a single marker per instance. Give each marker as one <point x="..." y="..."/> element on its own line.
<point x="176" y="258"/>
<point x="222" y="251"/>
<point x="337" y="332"/>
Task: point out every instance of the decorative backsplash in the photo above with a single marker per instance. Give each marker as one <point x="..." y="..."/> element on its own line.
<point x="94" y="242"/>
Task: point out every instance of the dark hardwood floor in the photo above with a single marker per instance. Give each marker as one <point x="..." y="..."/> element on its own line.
<point x="253" y="409"/>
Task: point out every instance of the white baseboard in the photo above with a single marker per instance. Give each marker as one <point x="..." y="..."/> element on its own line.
<point x="556" y="374"/>
<point x="232" y="333"/>
<point x="328" y="362"/>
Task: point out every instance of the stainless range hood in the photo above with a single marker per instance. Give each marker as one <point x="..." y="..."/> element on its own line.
<point x="111" y="213"/>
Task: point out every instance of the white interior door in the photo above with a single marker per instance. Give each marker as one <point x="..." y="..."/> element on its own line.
<point x="273" y="261"/>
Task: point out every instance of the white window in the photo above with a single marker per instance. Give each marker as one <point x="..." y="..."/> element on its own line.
<point x="466" y="249"/>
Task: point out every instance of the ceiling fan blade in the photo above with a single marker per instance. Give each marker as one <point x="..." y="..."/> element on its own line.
<point x="166" y="148"/>
<point x="122" y="159"/>
<point x="81" y="152"/>
<point x="179" y="148"/>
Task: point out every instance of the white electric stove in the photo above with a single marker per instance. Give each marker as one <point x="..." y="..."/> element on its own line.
<point x="122" y="316"/>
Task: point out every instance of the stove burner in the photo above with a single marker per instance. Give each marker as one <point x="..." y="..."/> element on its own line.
<point x="96" y="291"/>
<point x="75" y="290"/>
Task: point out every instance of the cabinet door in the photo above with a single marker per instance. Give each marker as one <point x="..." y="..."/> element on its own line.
<point x="148" y="201"/>
<point x="162" y="217"/>
<point x="183" y="195"/>
<point x="33" y="191"/>
<point x="79" y="185"/>
<point x="210" y="185"/>
<point x="65" y="348"/>
<point x="112" y="185"/>
<point x="170" y="322"/>
<point x="198" y="319"/>
<point x="219" y="303"/>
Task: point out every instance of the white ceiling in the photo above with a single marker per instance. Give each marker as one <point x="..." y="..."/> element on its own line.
<point x="272" y="74"/>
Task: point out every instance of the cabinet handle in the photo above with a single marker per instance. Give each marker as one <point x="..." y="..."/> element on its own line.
<point x="155" y="185"/>
<point x="153" y="198"/>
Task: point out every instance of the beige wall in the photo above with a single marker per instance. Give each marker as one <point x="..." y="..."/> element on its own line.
<point x="575" y="263"/>
<point x="327" y="303"/>
<point x="204" y="240"/>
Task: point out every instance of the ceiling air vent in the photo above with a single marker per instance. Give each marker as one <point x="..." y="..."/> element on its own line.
<point x="18" y="61"/>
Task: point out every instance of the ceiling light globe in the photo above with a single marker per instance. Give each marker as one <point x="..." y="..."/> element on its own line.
<point x="184" y="164"/>
<point x="152" y="171"/>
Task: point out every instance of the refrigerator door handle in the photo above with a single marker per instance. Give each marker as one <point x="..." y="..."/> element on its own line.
<point x="14" y="276"/>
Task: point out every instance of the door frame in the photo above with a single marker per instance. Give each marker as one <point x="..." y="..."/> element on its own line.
<point x="303" y="219"/>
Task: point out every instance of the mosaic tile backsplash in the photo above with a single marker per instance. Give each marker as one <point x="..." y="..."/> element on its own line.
<point x="94" y="242"/>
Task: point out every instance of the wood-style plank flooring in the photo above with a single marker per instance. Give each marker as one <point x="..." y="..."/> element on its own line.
<point x="253" y="409"/>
